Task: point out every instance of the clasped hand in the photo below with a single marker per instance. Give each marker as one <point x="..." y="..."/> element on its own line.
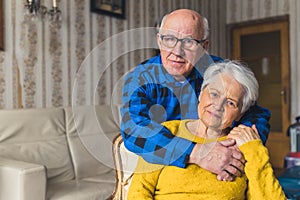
<point x="224" y="157"/>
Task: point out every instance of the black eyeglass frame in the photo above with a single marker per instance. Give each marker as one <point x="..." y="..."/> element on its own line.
<point x="182" y="39"/>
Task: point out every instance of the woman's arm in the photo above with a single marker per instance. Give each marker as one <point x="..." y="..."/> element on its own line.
<point x="144" y="181"/>
<point x="262" y="184"/>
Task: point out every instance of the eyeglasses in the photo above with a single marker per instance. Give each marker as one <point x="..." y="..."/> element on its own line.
<point x="186" y="43"/>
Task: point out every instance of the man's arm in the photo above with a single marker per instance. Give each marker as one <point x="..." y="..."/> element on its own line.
<point x="145" y="136"/>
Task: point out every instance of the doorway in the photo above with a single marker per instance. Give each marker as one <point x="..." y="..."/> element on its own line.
<point x="264" y="46"/>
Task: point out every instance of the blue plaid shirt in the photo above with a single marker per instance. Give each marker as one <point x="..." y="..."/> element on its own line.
<point x="152" y="96"/>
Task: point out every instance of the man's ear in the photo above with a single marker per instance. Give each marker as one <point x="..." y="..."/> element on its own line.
<point x="158" y="41"/>
<point x="205" y="45"/>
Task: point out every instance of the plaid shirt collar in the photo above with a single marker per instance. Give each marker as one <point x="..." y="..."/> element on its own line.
<point x="165" y="78"/>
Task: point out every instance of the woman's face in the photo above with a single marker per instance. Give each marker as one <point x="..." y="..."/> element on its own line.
<point x="220" y="102"/>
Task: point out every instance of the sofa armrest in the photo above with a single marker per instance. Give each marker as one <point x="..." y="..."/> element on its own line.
<point x="21" y="180"/>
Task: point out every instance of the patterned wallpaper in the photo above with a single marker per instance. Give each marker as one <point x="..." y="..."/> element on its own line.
<point x="82" y="59"/>
<point x="76" y="61"/>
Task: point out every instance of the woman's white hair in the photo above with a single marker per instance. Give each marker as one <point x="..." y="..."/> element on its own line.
<point x="241" y="73"/>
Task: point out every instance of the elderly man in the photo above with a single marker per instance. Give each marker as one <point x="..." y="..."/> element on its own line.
<point x="167" y="87"/>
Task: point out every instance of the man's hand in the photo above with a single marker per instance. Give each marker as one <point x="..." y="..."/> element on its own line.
<point x="222" y="158"/>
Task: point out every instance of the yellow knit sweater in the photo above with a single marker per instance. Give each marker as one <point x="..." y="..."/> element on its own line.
<point x="172" y="183"/>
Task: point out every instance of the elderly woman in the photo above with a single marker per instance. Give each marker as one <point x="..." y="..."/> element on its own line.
<point x="228" y="90"/>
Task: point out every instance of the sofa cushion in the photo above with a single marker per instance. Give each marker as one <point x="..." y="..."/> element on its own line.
<point x="79" y="190"/>
<point x="37" y="136"/>
<point x="109" y="177"/>
<point x="90" y="131"/>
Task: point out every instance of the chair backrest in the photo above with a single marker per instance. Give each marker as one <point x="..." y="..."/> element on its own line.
<point x="125" y="164"/>
<point x="90" y="132"/>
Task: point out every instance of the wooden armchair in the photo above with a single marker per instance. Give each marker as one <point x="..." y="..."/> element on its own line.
<point x="125" y="164"/>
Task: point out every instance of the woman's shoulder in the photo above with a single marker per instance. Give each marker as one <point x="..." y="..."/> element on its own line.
<point x="172" y="125"/>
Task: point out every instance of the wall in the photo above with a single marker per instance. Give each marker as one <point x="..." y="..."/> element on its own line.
<point x="78" y="61"/>
<point x="239" y="11"/>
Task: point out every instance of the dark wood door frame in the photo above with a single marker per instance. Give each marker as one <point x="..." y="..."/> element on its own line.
<point x="278" y="142"/>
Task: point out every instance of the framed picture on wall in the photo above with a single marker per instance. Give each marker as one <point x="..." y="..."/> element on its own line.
<point x="115" y="8"/>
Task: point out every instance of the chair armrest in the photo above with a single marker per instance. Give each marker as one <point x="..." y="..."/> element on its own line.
<point x="21" y="180"/>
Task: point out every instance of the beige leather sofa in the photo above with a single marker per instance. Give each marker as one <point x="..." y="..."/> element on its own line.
<point x="57" y="153"/>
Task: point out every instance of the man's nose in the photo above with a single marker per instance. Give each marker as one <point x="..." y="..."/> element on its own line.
<point x="178" y="49"/>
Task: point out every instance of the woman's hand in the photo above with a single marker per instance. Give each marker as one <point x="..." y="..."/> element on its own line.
<point x="243" y="134"/>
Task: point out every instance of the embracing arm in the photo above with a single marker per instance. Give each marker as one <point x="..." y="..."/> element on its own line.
<point x="145" y="136"/>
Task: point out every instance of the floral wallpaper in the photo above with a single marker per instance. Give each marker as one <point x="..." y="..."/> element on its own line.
<point x="52" y="63"/>
<point x="78" y="61"/>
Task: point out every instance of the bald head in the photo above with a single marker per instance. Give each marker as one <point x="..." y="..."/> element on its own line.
<point x="187" y="20"/>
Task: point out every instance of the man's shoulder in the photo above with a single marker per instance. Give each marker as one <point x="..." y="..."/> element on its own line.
<point x="152" y="60"/>
<point x="216" y="58"/>
<point x="206" y="61"/>
<point x="151" y="68"/>
<point x="150" y="64"/>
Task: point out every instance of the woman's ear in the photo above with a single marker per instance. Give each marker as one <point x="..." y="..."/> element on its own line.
<point x="199" y="96"/>
<point x="239" y="117"/>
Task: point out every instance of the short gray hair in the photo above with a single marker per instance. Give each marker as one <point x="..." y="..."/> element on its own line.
<point x="241" y="73"/>
<point x="206" y="28"/>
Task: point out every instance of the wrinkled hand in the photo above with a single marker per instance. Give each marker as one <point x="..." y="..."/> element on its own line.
<point x="243" y="134"/>
<point x="222" y="158"/>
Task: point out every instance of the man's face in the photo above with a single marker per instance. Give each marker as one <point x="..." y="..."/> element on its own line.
<point x="220" y="102"/>
<point x="179" y="61"/>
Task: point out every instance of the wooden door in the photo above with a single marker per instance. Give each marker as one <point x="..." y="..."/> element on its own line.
<point x="264" y="46"/>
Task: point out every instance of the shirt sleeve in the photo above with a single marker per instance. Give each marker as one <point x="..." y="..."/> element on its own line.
<point x="262" y="184"/>
<point x="260" y="117"/>
<point x="145" y="136"/>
